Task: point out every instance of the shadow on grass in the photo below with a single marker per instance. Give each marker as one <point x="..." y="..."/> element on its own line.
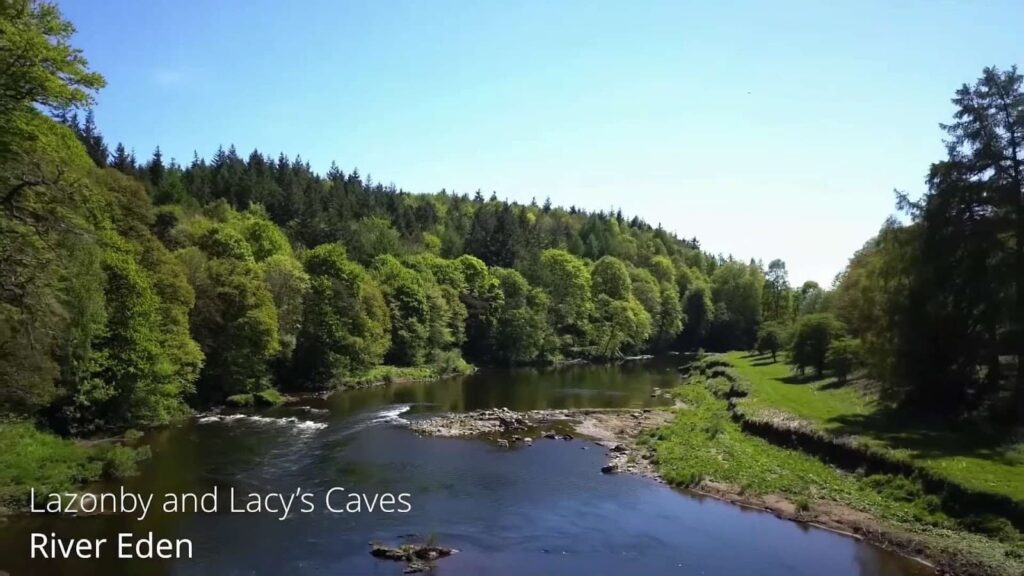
<point x="925" y="437"/>
<point x="798" y="379"/>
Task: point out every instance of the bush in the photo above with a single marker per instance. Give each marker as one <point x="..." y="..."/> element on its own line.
<point x="241" y="401"/>
<point x="450" y="363"/>
<point x="121" y="462"/>
<point x="268" y="397"/>
<point x="995" y="526"/>
<point x="30" y="458"/>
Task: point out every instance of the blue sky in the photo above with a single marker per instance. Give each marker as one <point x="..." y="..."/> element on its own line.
<point x="765" y="129"/>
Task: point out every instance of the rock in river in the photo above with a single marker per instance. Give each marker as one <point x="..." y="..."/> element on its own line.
<point x="417" y="556"/>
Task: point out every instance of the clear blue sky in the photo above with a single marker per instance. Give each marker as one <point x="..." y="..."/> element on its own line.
<point x="765" y="129"/>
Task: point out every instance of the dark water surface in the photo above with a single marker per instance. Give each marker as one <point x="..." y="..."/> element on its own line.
<point x="543" y="510"/>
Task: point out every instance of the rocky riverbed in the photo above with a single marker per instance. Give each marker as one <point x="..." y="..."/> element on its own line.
<point x="616" y="431"/>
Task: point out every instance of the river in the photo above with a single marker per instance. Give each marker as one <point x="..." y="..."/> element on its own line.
<point x="527" y="511"/>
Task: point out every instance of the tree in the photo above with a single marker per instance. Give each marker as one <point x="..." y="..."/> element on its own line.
<point x="345" y="324"/>
<point x="736" y="291"/>
<point x="522" y="334"/>
<point x="668" y="323"/>
<point x="844" y="355"/>
<point x="264" y="238"/>
<point x="609" y="277"/>
<point x="288" y="284"/>
<point x="698" y="310"/>
<point x="155" y="170"/>
<point x="810" y="299"/>
<point x="235" y="322"/>
<point x="93" y="140"/>
<point x="771" y="338"/>
<point x="39" y="64"/>
<point x="372" y="237"/>
<point x="122" y="161"/>
<point x="973" y="227"/>
<point x="812" y="336"/>
<point x="620" y="326"/>
<point x="483" y="299"/>
<point x="566" y="281"/>
<point x="776" y="298"/>
<point x="409" y="310"/>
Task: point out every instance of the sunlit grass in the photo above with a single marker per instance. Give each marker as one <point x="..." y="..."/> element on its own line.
<point x="966" y="456"/>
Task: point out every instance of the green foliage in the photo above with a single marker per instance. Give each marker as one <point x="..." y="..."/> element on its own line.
<point x="668" y="323"/>
<point x="372" y="237"/>
<point x="566" y="280"/>
<point x="609" y="277"/>
<point x="698" y="310"/>
<point x="843" y="356"/>
<point x="268" y="397"/>
<point x="235" y="322"/>
<point x="736" y="290"/>
<point x="619" y="326"/>
<point x="345" y="325"/>
<point x="963" y="454"/>
<point x="522" y="334"/>
<point x="646" y="290"/>
<point x="409" y="310"/>
<point x="265" y="240"/>
<point x="220" y="241"/>
<point x="288" y="284"/>
<point x="246" y="400"/>
<point x="30" y="458"/>
<point x="771" y="338"/>
<point x="777" y="295"/>
<point x="40" y="65"/>
<point x="812" y="336"/>
<point x="483" y="299"/>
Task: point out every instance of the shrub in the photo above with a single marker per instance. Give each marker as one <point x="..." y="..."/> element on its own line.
<point x="268" y="397"/>
<point x="241" y="400"/>
<point x="121" y="462"/>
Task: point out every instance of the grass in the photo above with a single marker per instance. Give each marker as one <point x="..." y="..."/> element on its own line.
<point x="701" y="443"/>
<point x="31" y="458"/>
<point x="966" y="456"/>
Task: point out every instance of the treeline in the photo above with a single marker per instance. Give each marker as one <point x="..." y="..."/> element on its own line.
<point x="130" y="291"/>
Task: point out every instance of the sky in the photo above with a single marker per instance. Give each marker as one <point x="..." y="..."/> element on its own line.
<point x="764" y="129"/>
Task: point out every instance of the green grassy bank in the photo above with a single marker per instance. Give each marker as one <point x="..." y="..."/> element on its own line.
<point x="972" y="457"/>
<point x="706" y="448"/>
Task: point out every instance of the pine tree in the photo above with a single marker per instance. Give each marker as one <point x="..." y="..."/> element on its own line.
<point x="122" y="161"/>
<point x="93" y="140"/>
<point x="156" y="170"/>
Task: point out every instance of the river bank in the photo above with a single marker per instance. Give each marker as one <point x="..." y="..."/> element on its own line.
<point x="710" y="448"/>
<point x="697" y="445"/>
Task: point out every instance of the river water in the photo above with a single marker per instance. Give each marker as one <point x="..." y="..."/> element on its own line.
<point x="541" y="510"/>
